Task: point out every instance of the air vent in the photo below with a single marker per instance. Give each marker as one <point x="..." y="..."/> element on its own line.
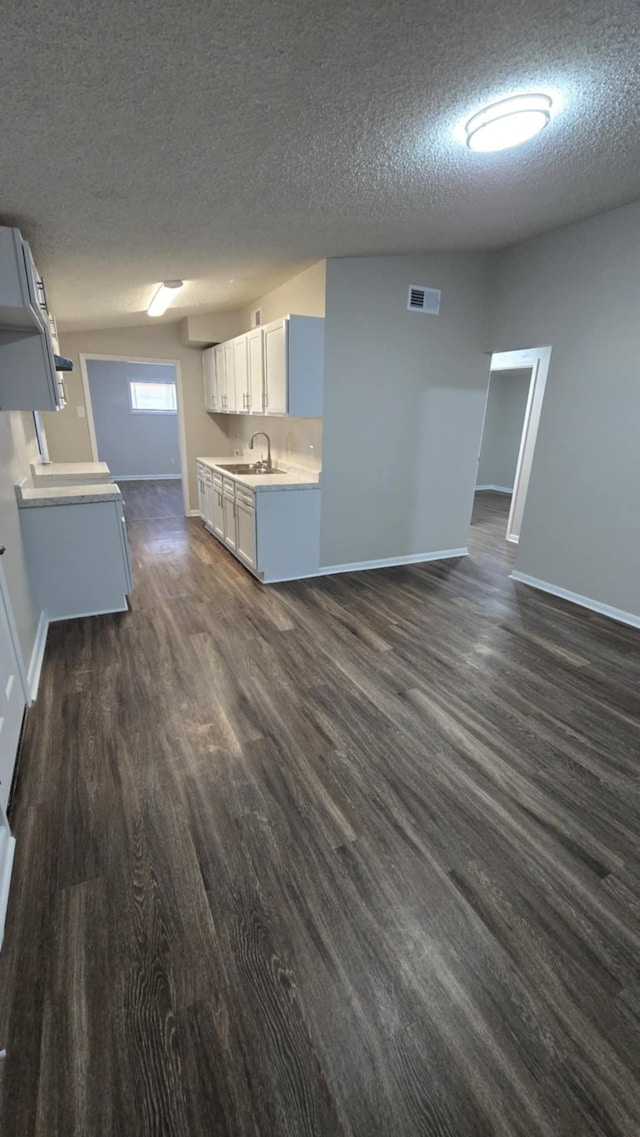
<point x="256" y="318"/>
<point x="422" y="299"/>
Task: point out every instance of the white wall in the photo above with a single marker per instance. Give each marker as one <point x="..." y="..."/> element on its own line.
<point x="302" y="295"/>
<point x="503" y="424"/>
<point x="295" y="442"/>
<point x="403" y="406"/>
<point x="578" y="289"/>
<point x="18" y="448"/>
<point x="132" y="445"/>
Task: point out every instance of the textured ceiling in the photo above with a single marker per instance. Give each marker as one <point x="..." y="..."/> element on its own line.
<point x="144" y="140"/>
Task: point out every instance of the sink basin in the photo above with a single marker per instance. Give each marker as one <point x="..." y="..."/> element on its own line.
<point x="246" y="468"/>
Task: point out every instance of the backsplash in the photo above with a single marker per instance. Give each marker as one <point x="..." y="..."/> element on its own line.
<point x="295" y="442"/>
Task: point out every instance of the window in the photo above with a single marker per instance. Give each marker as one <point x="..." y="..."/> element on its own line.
<point x="149" y="397"/>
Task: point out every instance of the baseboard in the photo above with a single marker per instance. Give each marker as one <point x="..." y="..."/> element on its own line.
<point x="496" y="489"/>
<point x="575" y="598"/>
<point x="146" y="477"/>
<point x="7" y="850"/>
<point x="37" y="656"/>
<point x="391" y="562"/>
<point x="193" y="513"/>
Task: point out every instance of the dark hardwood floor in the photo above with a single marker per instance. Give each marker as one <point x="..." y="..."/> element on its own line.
<point x="350" y="856"/>
<point x="152" y="499"/>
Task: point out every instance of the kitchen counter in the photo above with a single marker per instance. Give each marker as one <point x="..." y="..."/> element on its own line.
<point x="69" y="473"/>
<point x="31" y="496"/>
<point x="283" y="481"/>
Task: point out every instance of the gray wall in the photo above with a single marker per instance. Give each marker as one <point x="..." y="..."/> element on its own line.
<point x="132" y="444"/>
<point x="502" y="432"/>
<point x="578" y="289"/>
<point x="403" y="406"/>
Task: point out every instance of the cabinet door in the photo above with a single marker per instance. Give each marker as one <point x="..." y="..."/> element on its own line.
<point x="202" y="495"/>
<point x="275" y="368"/>
<point x="217" y="511"/>
<point x="229" y="520"/>
<point x="209" y="374"/>
<point x="209" y="502"/>
<point x="246" y="532"/>
<point x="255" y="370"/>
<point x="220" y="377"/>
<point x="241" y="374"/>
<point x="229" y="402"/>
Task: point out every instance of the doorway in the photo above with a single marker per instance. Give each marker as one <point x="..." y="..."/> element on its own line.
<point x="516" y="388"/>
<point x="136" y="425"/>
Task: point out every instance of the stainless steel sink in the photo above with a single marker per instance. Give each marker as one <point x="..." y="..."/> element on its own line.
<point x="247" y="468"/>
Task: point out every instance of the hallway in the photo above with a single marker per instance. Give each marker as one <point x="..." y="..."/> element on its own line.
<point x="351" y="856"/>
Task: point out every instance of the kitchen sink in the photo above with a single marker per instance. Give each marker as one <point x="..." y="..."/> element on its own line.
<point x="246" y="468"/>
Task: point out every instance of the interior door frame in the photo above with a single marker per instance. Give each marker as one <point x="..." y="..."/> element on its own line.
<point x="538" y="359"/>
<point x="86" y="356"/>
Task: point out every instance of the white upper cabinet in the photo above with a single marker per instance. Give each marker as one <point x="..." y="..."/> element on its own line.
<point x="210" y="379"/>
<point x="241" y="374"/>
<point x="28" y="377"/>
<point x="229" y="403"/>
<point x="274" y="370"/>
<point x="255" y="371"/>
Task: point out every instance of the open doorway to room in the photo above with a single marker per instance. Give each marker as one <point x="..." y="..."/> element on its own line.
<point x="517" y="382"/>
<point x="135" y="419"/>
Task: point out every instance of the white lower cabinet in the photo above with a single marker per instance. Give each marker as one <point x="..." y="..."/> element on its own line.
<point x="229" y="514"/>
<point x="246" y="526"/>
<point x="79" y="557"/>
<point x="202" y="491"/>
<point x="275" y="533"/>
<point x="217" y="507"/>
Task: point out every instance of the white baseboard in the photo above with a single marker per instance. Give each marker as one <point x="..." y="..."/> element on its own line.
<point x="575" y="598"/>
<point x="86" y="615"/>
<point x="496" y="489"/>
<point x="146" y="477"/>
<point x="391" y="562"/>
<point x="7" y="849"/>
<point x="37" y="656"/>
<point x="193" y="513"/>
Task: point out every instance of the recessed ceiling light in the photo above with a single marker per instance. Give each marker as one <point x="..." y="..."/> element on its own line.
<point x="166" y="293"/>
<point x="508" y="122"/>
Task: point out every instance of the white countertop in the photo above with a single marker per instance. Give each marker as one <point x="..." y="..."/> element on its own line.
<point x="62" y="473"/>
<point x="285" y="481"/>
<point x="29" y="496"/>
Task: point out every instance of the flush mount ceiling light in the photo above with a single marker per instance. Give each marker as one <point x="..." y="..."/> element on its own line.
<point x="166" y="293"/>
<point x="508" y="122"/>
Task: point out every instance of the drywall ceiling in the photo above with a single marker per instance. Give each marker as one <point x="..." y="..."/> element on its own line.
<point x="232" y="144"/>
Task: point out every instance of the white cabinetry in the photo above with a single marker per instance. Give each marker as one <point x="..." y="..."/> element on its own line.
<point x="274" y="370"/>
<point x="275" y="532"/>
<point x="216" y="521"/>
<point x="229" y="513"/>
<point x="79" y="555"/>
<point x="246" y="525"/>
<point x="229" y="403"/>
<point x="255" y="368"/>
<point x="28" y="377"/>
<point x="210" y="379"/>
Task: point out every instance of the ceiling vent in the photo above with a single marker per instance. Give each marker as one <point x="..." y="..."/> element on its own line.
<point x="423" y="299"/>
<point x="256" y="318"/>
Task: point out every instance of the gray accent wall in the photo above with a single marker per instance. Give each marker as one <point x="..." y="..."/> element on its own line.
<point x="503" y="424"/>
<point x="403" y="406"/>
<point x="132" y="445"/>
<point x="578" y="289"/>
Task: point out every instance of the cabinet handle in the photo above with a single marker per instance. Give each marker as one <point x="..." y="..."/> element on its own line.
<point x="3" y="550"/>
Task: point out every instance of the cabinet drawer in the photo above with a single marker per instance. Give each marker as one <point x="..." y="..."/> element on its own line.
<point x="217" y="480"/>
<point x="245" y="495"/>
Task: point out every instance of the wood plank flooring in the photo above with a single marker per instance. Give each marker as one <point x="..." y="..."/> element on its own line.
<point x="350" y="856"/>
<point x="145" y="500"/>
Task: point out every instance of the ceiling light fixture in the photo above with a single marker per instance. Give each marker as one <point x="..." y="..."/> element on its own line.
<point x="165" y="295"/>
<point x="508" y="122"/>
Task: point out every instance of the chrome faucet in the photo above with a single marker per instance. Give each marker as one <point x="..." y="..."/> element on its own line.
<point x="262" y="462"/>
